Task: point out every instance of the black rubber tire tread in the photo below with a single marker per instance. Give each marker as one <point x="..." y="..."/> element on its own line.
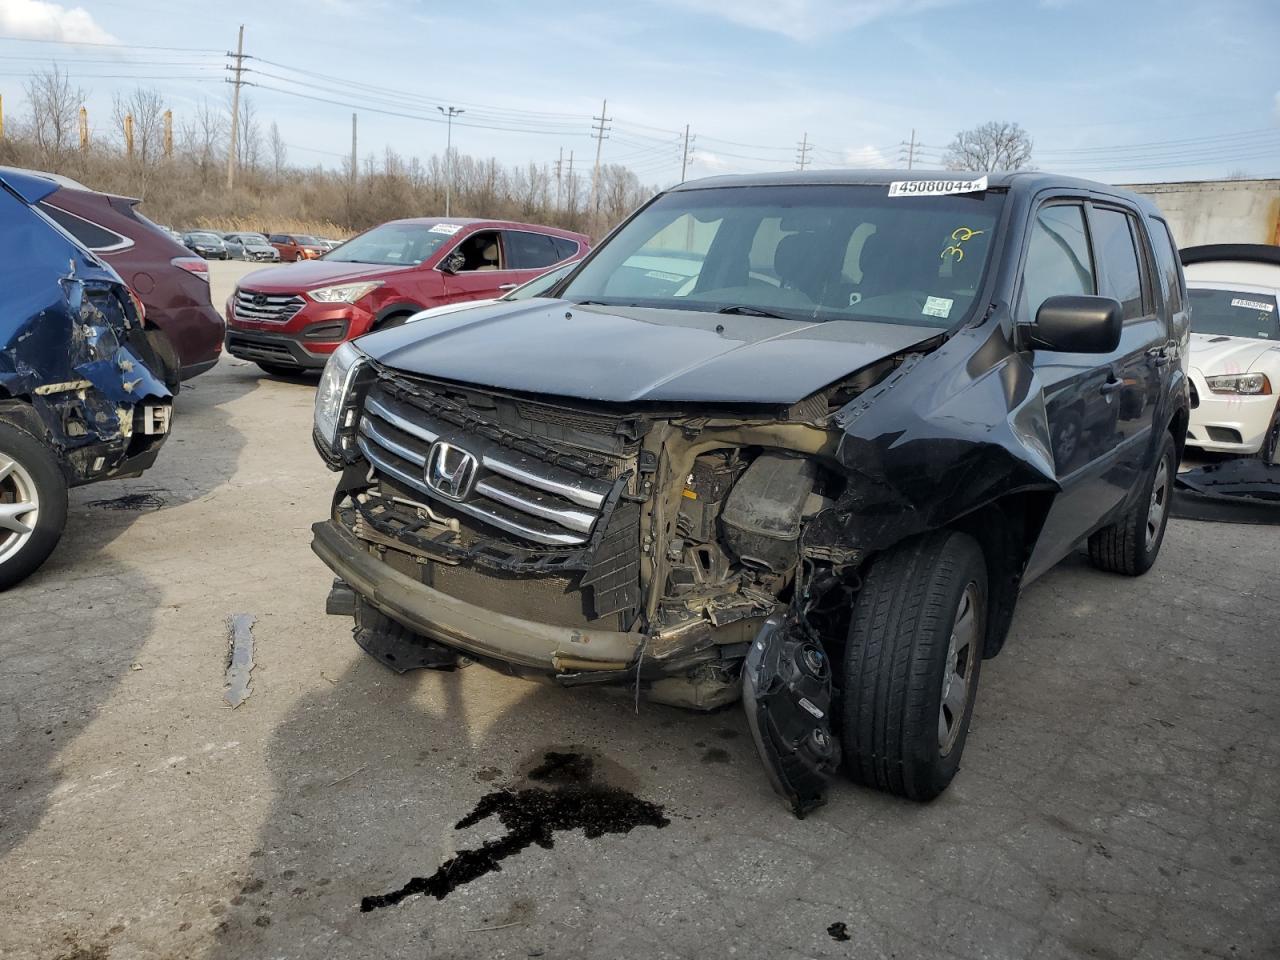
<point x="1121" y="547"/>
<point x="1267" y="453"/>
<point x="39" y="461"/>
<point x="898" y="639"/>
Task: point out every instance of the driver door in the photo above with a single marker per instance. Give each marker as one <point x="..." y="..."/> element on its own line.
<point x="482" y="272"/>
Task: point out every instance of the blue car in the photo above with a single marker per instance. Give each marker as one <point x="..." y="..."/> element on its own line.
<point x="86" y="389"/>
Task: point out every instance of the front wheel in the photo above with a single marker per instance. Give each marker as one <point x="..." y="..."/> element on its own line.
<point x="280" y="369"/>
<point x="911" y="664"/>
<point x="1131" y="544"/>
<point x="33" y="504"/>
<point x="1271" y="440"/>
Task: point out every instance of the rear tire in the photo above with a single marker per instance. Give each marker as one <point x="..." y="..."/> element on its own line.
<point x="911" y="664"/>
<point x="30" y="477"/>
<point x="1131" y="544"/>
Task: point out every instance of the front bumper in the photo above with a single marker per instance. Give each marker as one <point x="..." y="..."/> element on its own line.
<point x="1219" y="419"/>
<point x="304" y="340"/>
<point x="280" y="349"/>
<point x="482" y="633"/>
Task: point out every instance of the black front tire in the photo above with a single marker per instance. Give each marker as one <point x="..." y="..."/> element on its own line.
<point x="1271" y="440"/>
<point x="900" y="664"/>
<point x="280" y="369"/>
<point x="40" y="467"/>
<point x="1131" y="544"/>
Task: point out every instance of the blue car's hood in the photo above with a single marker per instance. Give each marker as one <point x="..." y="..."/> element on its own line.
<point x="628" y="354"/>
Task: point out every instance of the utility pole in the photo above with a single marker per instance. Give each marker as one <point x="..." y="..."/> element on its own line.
<point x="559" y="165"/>
<point x="448" y="155"/>
<point x="911" y="149"/>
<point x="128" y="135"/>
<point x="599" y="131"/>
<point x="168" y="134"/>
<point x="571" y="188"/>
<point x="354" y="160"/>
<point x="1" y="116"/>
<point x="684" y="160"/>
<point x="84" y="129"/>
<point x="235" y="109"/>
<point x="802" y="152"/>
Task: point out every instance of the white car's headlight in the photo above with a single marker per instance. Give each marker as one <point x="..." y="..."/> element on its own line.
<point x="344" y="292"/>
<point x="1247" y="383"/>
<point x="331" y="394"/>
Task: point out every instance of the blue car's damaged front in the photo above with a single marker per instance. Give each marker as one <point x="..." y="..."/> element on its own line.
<point x="80" y="373"/>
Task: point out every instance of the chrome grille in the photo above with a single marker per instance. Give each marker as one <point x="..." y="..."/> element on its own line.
<point x="266" y="307"/>
<point x="516" y="493"/>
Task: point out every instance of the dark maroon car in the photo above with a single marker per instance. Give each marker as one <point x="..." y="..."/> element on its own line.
<point x="171" y="282"/>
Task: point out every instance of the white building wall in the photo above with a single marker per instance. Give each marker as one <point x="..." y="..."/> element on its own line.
<point x="1218" y="211"/>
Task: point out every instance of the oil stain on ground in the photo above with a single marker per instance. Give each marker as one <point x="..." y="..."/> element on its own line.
<point x="533" y="815"/>
<point x="134" y="502"/>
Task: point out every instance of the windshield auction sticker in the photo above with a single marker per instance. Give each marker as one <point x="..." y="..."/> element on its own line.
<point x="937" y="307"/>
<point x="1252" y="305"/>
<point x="447" y="228"/>
<point x="935" y="188"/>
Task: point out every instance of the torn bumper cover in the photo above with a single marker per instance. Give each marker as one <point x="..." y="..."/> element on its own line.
<point x="477" y="631"/>
<point x="1238" y="491"/>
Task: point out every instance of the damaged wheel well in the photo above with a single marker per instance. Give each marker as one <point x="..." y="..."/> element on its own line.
<point x="1007" y="530"/>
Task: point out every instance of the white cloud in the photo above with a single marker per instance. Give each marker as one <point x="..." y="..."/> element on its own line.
<point x="808" y="19"/>
<point x="42" y="20"/>
<point x="866" y="157"/>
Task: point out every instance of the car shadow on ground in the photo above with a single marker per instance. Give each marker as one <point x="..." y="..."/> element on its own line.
<point x="62" y="664"/>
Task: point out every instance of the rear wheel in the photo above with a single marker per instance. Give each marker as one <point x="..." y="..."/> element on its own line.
<point x="912" y="662"/>
<point x="33" y="504"/>
<point x="1131" y="544"/>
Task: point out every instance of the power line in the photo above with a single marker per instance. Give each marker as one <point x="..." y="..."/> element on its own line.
<point x="115" y="46"/>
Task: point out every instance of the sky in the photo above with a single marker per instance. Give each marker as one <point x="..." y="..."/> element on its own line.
<point x="1122" y="91"/>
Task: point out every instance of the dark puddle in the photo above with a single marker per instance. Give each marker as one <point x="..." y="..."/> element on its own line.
<point x="716" y="755"/>
<point x="532" y="816"/>
<point x="839" y="930"/>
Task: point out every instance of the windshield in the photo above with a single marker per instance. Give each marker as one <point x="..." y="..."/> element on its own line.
<point x="205" y="238"/>
<point x="392" y="244"/>
<point x="1234" y="313"/>
<point x="249" y="237"/>
<point x="802" y="252"/>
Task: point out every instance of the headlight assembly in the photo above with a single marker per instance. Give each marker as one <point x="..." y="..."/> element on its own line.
<point x="344" y="292"/>
<point x="1250" y="384"/>
<point x="331" y="394"/>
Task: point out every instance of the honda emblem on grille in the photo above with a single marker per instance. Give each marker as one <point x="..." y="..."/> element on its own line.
<point x="450" y="470"/>
<point x="259" y="299"/>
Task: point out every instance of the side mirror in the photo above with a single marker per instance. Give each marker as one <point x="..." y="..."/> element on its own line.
<point x="453" y="263"/>
<point x="1077" y="324"/>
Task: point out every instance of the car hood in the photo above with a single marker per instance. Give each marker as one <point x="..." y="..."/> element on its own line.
<point x="308" y="274"/>
<point x="628" y="354"/>
<point x="1214" y="354"/>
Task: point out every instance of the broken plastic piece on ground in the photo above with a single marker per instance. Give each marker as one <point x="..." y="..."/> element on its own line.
<point x="240" y="663"/>
<point x="786" y="691"/>
<point x="839" y="930"/>
<point x="1235" y="491"/>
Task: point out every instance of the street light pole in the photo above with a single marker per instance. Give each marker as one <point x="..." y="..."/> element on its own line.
<point x="449" y="113"/>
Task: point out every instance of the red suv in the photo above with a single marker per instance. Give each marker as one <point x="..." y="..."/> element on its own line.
<point x="290" y="318"/>
<point x="171" y="281"/>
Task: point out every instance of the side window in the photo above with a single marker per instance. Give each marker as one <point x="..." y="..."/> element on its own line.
<point x="480" y="251"/>
<point x="1167" y="258"/>
<point x="565" y="248"/>
<point x="529" y="251"/>
<point x="89" y="234"/>
<point x="1058" y="261"/>
<point x="278" y="238"/>
<point x="1115" y="246"/>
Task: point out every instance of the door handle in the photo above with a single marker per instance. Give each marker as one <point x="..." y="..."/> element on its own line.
<point x="507" y="286"/>
<point x="1111" y="386"/>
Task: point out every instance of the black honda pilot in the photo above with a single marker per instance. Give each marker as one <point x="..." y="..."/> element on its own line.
<point x="796" y="438"/>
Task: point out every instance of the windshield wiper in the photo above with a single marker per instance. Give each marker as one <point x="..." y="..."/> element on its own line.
<point x="745" y="311"/>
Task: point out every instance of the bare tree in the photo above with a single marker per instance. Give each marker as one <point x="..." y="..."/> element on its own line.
<point x="146" y="106"/>
<point x="202" y="139"/>
<point x="279" y="151"/>
<point x="248" y="135"/>
<point x="995" y="145"/>
<point x="55" y="110"/>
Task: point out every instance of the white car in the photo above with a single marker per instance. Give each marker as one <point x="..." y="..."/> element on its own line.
<point x="1235" y="348"/>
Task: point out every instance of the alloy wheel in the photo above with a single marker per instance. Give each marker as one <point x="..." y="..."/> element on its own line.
<point x="19" y="507"/>
<point x="962" y="655"/>
<point x="1159" y="503"/>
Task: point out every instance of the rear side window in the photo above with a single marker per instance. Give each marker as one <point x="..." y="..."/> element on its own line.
<point x="279" y="238"/>
<point x="565" y="248"/>
<point x="1167" y="260"/>
<point x="1058" y="260"/>
<point x="1114" y="243"/>
<point x="530" y="251"/>
<point x="96" y="238"/>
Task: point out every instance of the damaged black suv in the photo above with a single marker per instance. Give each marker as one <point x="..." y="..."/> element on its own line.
<point x="796" y="438"/>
